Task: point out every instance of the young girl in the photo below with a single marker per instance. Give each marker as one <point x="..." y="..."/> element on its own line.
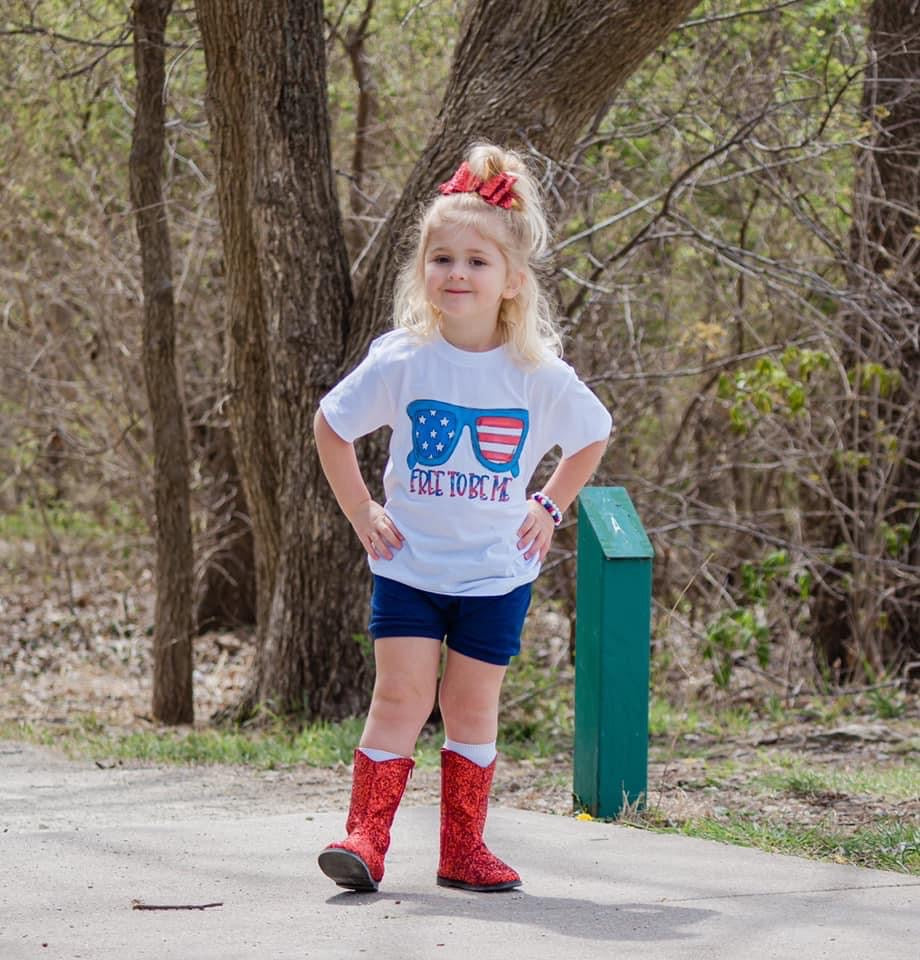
<point x="471" y="383"/>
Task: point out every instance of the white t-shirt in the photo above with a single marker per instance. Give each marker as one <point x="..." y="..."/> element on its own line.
<point x="469" y="429"/>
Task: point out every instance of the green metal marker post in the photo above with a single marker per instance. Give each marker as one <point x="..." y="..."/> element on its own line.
<point x="613" y="616"/>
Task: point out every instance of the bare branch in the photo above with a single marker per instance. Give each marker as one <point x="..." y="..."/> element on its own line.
<point x="721" y="18"/>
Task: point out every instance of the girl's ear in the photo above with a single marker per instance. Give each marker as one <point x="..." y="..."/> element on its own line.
<point x="513" y="284"/>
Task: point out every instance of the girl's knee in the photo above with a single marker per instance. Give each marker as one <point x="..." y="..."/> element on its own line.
<point x="466" y="706"/>
<point x="402" y="699"/>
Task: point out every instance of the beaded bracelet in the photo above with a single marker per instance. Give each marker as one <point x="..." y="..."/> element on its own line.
<point x="549" y="506"/>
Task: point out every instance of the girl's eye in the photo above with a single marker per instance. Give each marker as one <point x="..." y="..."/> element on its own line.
<point x="442" y="259"/>
<point x="478" y="263"/>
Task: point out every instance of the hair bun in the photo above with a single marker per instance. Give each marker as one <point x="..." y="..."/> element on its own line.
<point x="487" y="160"/>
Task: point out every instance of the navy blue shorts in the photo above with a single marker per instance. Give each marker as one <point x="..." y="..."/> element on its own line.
<point x="484" y="628"/>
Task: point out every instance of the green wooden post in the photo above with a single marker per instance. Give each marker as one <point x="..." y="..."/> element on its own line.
<point x="613" y="611"/>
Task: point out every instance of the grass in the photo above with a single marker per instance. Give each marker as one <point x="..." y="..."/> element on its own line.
<point x="799" y="778"/>
<point x="781" y="781"/>
<point x="772" y="773"/>
<point x="891" y="844"/>
<point x="683" y="727"/>
<point x="28" y="522"/>
<point x="320" y="745"/>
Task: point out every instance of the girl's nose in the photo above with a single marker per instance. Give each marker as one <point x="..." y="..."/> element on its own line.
<point x="457" y="270"/>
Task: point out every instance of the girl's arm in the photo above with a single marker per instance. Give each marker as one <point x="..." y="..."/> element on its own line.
<point x="375" y="530"/>
<point x="568" y="478"/>
<point x="572" y="474"/>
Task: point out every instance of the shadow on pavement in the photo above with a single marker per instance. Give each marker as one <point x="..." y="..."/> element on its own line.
<point x="559" y="915"/>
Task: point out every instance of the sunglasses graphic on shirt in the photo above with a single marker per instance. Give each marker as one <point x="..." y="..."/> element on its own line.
<point x="497" y="435"/>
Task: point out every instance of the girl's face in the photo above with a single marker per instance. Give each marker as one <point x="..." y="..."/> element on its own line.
<point x="466" y="279"/>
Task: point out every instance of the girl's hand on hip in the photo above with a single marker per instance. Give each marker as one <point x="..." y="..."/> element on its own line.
<point x="378" y="534"/>
<point x="536" y="532"/>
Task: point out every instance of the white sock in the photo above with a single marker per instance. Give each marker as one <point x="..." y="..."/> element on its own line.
<point x="378" y="755"/>
<point x="482" y="754"/>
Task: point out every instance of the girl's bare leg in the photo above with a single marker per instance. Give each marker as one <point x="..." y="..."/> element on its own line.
<point x="404" y="692"/>
<point x="469" y="704"/>
<point x="469" y="698"/>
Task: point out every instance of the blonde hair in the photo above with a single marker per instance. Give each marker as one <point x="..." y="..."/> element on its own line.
<point x="527" y="321"/>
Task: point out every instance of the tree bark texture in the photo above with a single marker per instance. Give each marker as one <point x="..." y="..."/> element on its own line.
<point x="172" y="637"/>
<point x="288" y="305"/>
<point x="868" y="609"/>
<point x="530" y="75"/>
<point x="247" y="351"/>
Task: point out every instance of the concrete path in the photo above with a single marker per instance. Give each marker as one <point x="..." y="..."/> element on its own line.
<point x="591" y="890"/>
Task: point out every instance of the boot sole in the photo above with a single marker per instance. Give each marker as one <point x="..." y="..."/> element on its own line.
<point x="478" y="887"/>
<point x="347" y="870"/>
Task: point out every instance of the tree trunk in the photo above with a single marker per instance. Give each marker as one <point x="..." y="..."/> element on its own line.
<point x="867" y="612"/>
<point x="247" y="361"/>
<point x="172" y="644"/>
<point x="293" y="326"/>
<point x="288" y="302"/>
<point x="309" y="656"/>
<point x="225" y="587"/>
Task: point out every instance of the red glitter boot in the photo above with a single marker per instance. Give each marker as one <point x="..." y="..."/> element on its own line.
<point x="376" y="789"/>
<point x="466" y="861"/>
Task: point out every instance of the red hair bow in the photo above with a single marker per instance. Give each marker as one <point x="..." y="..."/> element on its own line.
<point x="497" y="190"/>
